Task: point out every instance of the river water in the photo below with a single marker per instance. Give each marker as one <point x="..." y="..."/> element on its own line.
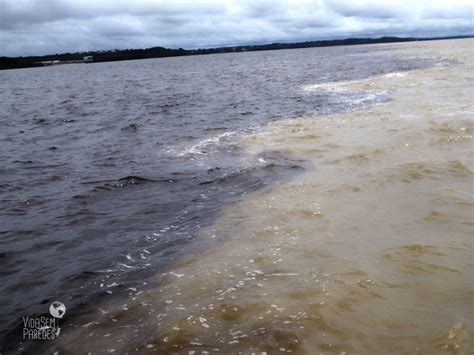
<point x="305" y="201"/>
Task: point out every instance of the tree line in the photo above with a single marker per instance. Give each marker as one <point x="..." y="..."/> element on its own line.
<point x="160" y="52"/>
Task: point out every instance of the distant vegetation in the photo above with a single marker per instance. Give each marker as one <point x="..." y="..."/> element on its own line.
<point x="159" y="52"/>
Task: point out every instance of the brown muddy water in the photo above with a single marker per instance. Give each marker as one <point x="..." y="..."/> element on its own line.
<point x="369" y="250"/>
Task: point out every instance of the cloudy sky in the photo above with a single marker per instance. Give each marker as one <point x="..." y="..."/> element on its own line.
<point x="30" y="27"/>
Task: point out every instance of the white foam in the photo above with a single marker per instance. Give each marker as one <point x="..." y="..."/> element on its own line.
<point x="200" y="146"/>
<point x="395" y="75"/>
<point x="333" y="85"/>
<point x="327" y="86"/>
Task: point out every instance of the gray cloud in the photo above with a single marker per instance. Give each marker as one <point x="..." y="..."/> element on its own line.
<point x="444" y="11"/>
<point x="53" y="26"/>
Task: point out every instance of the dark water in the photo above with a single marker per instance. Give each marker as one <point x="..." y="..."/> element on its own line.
<point x="109" y="170"/>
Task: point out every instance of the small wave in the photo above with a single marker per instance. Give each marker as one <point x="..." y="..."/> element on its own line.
<point x="240" y="176"/>
<point x="137" y="179"/>
<point x="203" y="146"/>
<point x="128" y="180"/>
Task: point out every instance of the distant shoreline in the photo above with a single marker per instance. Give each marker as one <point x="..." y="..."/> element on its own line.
<point x="161" y="52"/>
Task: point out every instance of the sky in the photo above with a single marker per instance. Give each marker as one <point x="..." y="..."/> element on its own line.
<point x="36" y="27"/>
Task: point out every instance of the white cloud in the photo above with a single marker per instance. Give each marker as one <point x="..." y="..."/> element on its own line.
<point x="54" y="26"/>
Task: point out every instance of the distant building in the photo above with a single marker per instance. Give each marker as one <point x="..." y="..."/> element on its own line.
<point x="86" y="59"/>
<point x="48" y="62"/>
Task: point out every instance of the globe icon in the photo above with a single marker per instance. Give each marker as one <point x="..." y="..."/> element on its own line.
<point x="57" y="309"/>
